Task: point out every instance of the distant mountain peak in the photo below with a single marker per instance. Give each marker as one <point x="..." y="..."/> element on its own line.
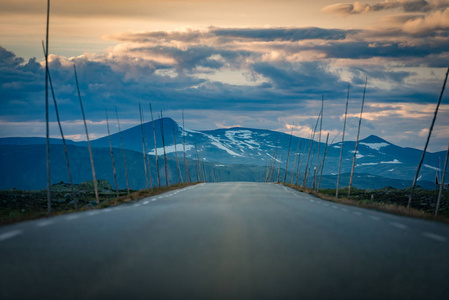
<point x="374" y="139"/>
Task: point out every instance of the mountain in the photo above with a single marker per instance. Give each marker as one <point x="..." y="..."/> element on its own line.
<point x="32" y="141"/>
<point x="24" y="167"/>
<point x="258" y="147"/>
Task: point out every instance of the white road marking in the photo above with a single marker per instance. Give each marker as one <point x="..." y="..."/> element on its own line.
<point x="375" y="218"/>
<point x="145" y="202"/>
<point x="333" y="206"/>
<point x="136" y="205"/>
<point x="311" y="200"/>
<point x="153" y="200"/>
<point x="72" y="217"/>
<point x="107" y="210"/>
<point x="434" y="236"/>
<point x="398" y="225"/>
<point x="10" y="234"/>
<point x="45" y="223"/>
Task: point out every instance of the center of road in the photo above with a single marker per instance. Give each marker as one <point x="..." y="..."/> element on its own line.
<point x="225" y="241"/>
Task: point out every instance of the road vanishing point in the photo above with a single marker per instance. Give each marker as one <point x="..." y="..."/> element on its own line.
<point x="233" y="240"/>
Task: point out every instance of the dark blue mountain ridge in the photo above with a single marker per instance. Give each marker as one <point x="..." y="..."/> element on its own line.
<point x="24" y="167"/>
<point x="32" y="141"/>
<point x="259" y="147"/>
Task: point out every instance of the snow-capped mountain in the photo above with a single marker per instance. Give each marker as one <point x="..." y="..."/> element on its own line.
<point x="261" y="147"/>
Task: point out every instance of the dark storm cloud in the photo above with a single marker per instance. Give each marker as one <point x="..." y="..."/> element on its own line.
<point x="379" y="73"/>
<point x="306" y="77"/>
<point x="365" y="49"/>
<point x="276" y="69"/>
<point x="19" y="82"/>
<point x="230" y="34"/>
<point x="283" y="34"/>
<point x="234" y="45"/>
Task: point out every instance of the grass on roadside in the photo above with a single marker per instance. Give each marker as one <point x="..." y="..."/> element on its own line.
<point x="36" y="203"/>
<point x="392" y="208"/>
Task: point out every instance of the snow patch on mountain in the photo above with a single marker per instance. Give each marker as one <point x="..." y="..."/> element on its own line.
<point x="367" y="164"/>
<point x="245" y="138"/>
<point x="216" y="142"/>
<point x="358" y="155"/>
<point x="170" y="149"/>
<point x="375" y="146"/>
<point x="394" y="161"/>
<point x="184" y="131"/>
<point x="273" y="158"/>
<point x="433" y="168"/>
<point x="222" y="147"/>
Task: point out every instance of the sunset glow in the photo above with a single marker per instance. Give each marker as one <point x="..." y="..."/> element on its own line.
<point x="256" y="63"/>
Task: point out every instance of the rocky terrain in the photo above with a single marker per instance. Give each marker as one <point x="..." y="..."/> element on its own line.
<point x="423" y="199"/>
<point x="21" y="205"/>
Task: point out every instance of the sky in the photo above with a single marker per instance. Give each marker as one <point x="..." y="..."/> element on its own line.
<point x="255" y="63"/>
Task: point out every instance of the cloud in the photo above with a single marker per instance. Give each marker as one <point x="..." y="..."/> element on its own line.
<point x="228" y="35"/>
<point x="435" y="21"/>
<point x="346" y="9"/>
<point x="229" y="68"/>
<point x="244" y="76"/>
<point x="283" y="34"/>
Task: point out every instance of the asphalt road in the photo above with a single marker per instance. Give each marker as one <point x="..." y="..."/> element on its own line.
<point x="226" y="241"/>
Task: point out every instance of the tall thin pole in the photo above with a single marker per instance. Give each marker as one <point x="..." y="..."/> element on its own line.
<point x="322" y="163"/>
<point x="427" y="141"/>
<point x="75" y="200"/>
<point x="311" y="162"/>
<point x="176" y="156"/>
<point x="47" y="127"/>
<point x="203" y="165"/>
<point x="342" y="142"/>
<point x="357" y="140"/>
<point x="143" y="147"/>
<point x="296" y="158"/>
<point x="306" y="171"/>
<point x="88" y="141"/>
<point x="319" y="144"/>
<point x="197" y="164"/>
<point x="146" y="152"/>
<point x="123" y="150"/>
<point x="186" y="167"/>
<point x="273" y="168"/>
<point x="155" y="149"/>
<point x="266" y="169"/>
<point x="279" y="170"/>
<point x="442" y="183"/>
<point x="112" y="154"/>
<point x="288" y="155"/>
<point x="299" y="169"/>
<point x="165" y="153"/>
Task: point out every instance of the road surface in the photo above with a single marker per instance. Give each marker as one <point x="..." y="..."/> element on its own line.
<point x="226" y="241"/>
